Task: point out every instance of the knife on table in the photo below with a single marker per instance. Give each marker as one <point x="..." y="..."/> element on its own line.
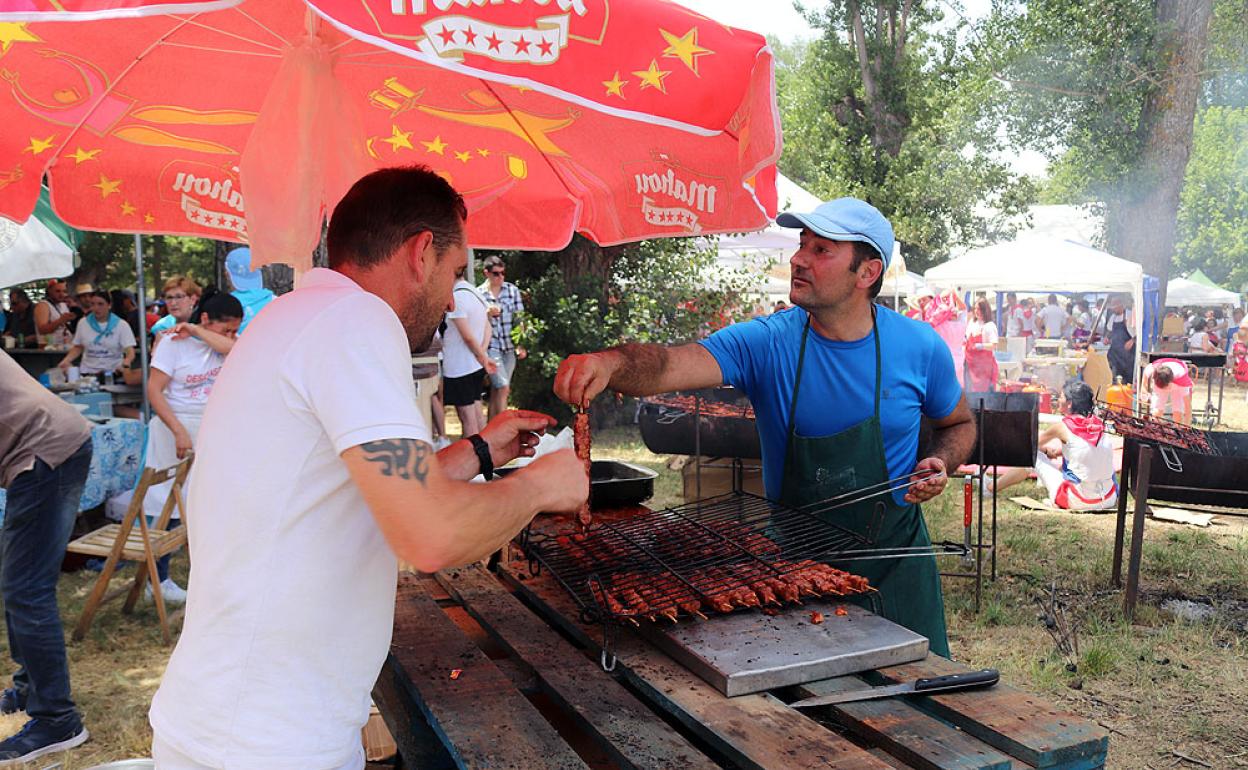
<point x="950" y="683"/>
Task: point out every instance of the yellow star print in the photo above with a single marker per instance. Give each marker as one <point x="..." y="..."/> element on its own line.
<point x="483" y="152"/>
<point x="37" y="145"/>
<point x="80" y="155"/>
<point x="15" y="32"/>
<point x="653" y="77"/>
<point x="685" y="48"/>
<point x="398" y="140"/>
<point x="463" y="157"/>
<point x="437" y="145"/>
<point x="148" y="219"/>
<point x="107" y="186"/>
<point x="127" y="209"/>
<point x="615" y="86"/>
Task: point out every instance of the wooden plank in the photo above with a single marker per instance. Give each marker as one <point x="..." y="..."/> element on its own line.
<point x="632" y="734"/>
<point x="1022" y="725"/>
<point x="753" y="731"/>
<point x="418" y="744"/>
<point x="918" y="739"/>
<point x="479" y="716"/>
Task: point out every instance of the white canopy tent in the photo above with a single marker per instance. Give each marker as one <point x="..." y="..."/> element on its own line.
<point x="1040" y="263"/>
<point x="1182" y="292"/>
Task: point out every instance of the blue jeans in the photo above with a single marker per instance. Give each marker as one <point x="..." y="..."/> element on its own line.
<point x="42" y="506"/>
<point x="162" y="564"/>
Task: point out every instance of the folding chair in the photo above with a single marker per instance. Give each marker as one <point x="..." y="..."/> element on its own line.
<point x="143" y="544"/>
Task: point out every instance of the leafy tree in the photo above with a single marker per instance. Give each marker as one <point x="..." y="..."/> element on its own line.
<point x="587" y="298"/>
<point x="107" y="259"/>
<point x="1110" y="88"/>
<point x="1213" y="213"/>
<point x="888" y="107"/>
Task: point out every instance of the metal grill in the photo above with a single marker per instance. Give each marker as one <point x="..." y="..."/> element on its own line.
<point x="732" y="552"/>
<point x="1156" y="430"/>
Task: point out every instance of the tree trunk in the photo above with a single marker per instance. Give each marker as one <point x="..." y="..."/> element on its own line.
<point x="1142" y="220"/>
<point x="583" y="260"/>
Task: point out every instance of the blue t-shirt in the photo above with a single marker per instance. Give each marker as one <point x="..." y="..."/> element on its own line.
<point x="759" y="357"/>
<point x="164" y="324"/>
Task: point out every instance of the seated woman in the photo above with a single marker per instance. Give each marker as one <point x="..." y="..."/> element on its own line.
<point x="184" y="370"/>
<point x="1085" y="482"/>
<point x="104" y="341"/>
<point x="1201" y="341"/>
<point x="1168" y="381"/>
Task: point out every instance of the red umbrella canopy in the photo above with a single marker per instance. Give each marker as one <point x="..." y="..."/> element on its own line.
<point x="246" y="121"/>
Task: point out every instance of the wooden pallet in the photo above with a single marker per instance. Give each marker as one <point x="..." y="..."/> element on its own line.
<point x="651" y="712"/>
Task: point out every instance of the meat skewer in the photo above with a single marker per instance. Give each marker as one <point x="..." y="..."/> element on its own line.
<point x="581" y="441"/>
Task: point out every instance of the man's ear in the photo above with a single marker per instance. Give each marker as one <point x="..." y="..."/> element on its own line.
<point x="419" y="255"/>
<point x="870" y="272"/>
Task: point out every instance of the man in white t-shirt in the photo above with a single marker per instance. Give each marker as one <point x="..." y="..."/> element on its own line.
<point x="1053" y="319"/>
<point x="465" y="354"/>
<point x="313" y="471"/>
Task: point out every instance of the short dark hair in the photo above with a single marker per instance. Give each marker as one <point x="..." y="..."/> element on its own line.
<point x="1079" y="396"/>
<point x="1162" y="376"/>
<point x="216" y="305"/>
<point x="384" y="209"/>
<point x="863" y="252"/>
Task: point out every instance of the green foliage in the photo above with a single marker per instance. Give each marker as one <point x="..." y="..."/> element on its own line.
<point x="919" y="143"/>
<point x="107" y="259"/>
<point x="663" y="291"/>
<point x="1213" y="209"/>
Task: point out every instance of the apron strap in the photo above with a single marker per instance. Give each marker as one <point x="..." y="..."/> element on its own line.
<point x="801" y="362"/>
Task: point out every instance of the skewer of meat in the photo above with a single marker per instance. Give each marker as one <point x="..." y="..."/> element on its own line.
<point x="581" y="441"/>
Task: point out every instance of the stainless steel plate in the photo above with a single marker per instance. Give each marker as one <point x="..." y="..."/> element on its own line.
<point x="747" y="652"/>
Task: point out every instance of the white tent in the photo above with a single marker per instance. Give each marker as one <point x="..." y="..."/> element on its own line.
<point x="1040" y="263"/>
<point x="1182" y="292"/>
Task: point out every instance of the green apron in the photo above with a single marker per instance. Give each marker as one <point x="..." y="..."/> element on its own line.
<point x="816" y="469"/>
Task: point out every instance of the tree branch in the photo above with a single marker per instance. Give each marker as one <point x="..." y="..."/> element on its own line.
<point x="869" y="85"/>
<point x="1050" y="89"/>
<point x="900" y="45"/>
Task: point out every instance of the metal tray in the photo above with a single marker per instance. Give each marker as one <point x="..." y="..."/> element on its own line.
<point x="614" y="483"/>
<point x="750" y="652"/>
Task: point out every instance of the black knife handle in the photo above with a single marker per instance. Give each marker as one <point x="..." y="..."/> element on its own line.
<point x="983" y="678"/>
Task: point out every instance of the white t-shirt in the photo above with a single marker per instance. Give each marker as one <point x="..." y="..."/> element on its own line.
<point x="457" y="359"/>
<point x="192" y="366"/>
<point x="106" y="354"/>
<point x="292" y="585"/>
<point x="987" y="332"/>
<point x="1054" y="318"/>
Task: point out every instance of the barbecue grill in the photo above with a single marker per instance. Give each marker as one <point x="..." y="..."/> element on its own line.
<point x="715" y="422"/>
<point x="736" y="551"/>
<point x="1181" y="475"/>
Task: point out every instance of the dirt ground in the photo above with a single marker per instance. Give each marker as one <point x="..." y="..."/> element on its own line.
<point x="1173" y="692"/>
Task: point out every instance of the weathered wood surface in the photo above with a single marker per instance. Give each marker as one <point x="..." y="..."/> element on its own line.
<point x="632" y="734"/>
<point x="756" y="731"/>
<point x="1022" y="725"/>
<point x="482" y="720"/>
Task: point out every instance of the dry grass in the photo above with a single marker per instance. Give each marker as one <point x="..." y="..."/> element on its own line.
<point x="1161" y="685"/>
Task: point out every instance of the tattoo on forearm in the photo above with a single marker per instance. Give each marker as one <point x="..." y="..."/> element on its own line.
<point x="406" y="458"/>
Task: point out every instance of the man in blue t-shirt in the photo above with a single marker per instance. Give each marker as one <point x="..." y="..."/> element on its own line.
<point x="839" y="386"/>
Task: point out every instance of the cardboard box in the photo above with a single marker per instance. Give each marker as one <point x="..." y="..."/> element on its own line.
<point x="717" y="479"/>
<point x="378" y="744"/>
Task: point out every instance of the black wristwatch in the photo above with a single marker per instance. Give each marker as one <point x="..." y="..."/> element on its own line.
<point x="483" y="455"/>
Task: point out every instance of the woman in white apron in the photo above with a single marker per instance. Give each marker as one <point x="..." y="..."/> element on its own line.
<point x="184" y="370"/>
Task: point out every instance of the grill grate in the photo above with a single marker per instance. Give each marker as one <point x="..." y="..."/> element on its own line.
<point x="736" y="551"/>
<point x="1156" y="429"/>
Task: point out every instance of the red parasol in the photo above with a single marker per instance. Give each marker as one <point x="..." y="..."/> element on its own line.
<point x="246" y="121"/>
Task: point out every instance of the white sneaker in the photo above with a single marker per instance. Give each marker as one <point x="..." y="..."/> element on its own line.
<point x="171" y="591"/>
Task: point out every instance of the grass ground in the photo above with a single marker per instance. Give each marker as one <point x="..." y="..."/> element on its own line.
<point x="1161" y="685"/>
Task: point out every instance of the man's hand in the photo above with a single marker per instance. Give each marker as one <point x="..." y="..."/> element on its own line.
<point x="515" y="433"/>
<point x="582" y="377"/>
<point x="490" y="365"/>
<point x="558" y="479"/>
<point x="931" y="486"/>
<point x="521" y="354"/>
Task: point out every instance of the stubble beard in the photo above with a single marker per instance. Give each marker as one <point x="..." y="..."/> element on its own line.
<point x="421" y="319"/>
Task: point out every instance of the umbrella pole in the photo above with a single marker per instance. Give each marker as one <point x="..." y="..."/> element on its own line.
<point x="142" y="292"/>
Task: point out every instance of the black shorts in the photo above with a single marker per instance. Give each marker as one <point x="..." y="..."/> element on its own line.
<point x="462" y="391"/>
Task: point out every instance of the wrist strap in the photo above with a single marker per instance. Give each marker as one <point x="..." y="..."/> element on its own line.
<point x="484" y="459"/>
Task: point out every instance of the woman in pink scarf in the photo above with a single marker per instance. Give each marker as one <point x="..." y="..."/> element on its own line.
<point x="947" y="315"/>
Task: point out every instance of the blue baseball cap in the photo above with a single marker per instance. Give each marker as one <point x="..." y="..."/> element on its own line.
<point x="238" y="265"/>
<point x="846" y="219"/>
